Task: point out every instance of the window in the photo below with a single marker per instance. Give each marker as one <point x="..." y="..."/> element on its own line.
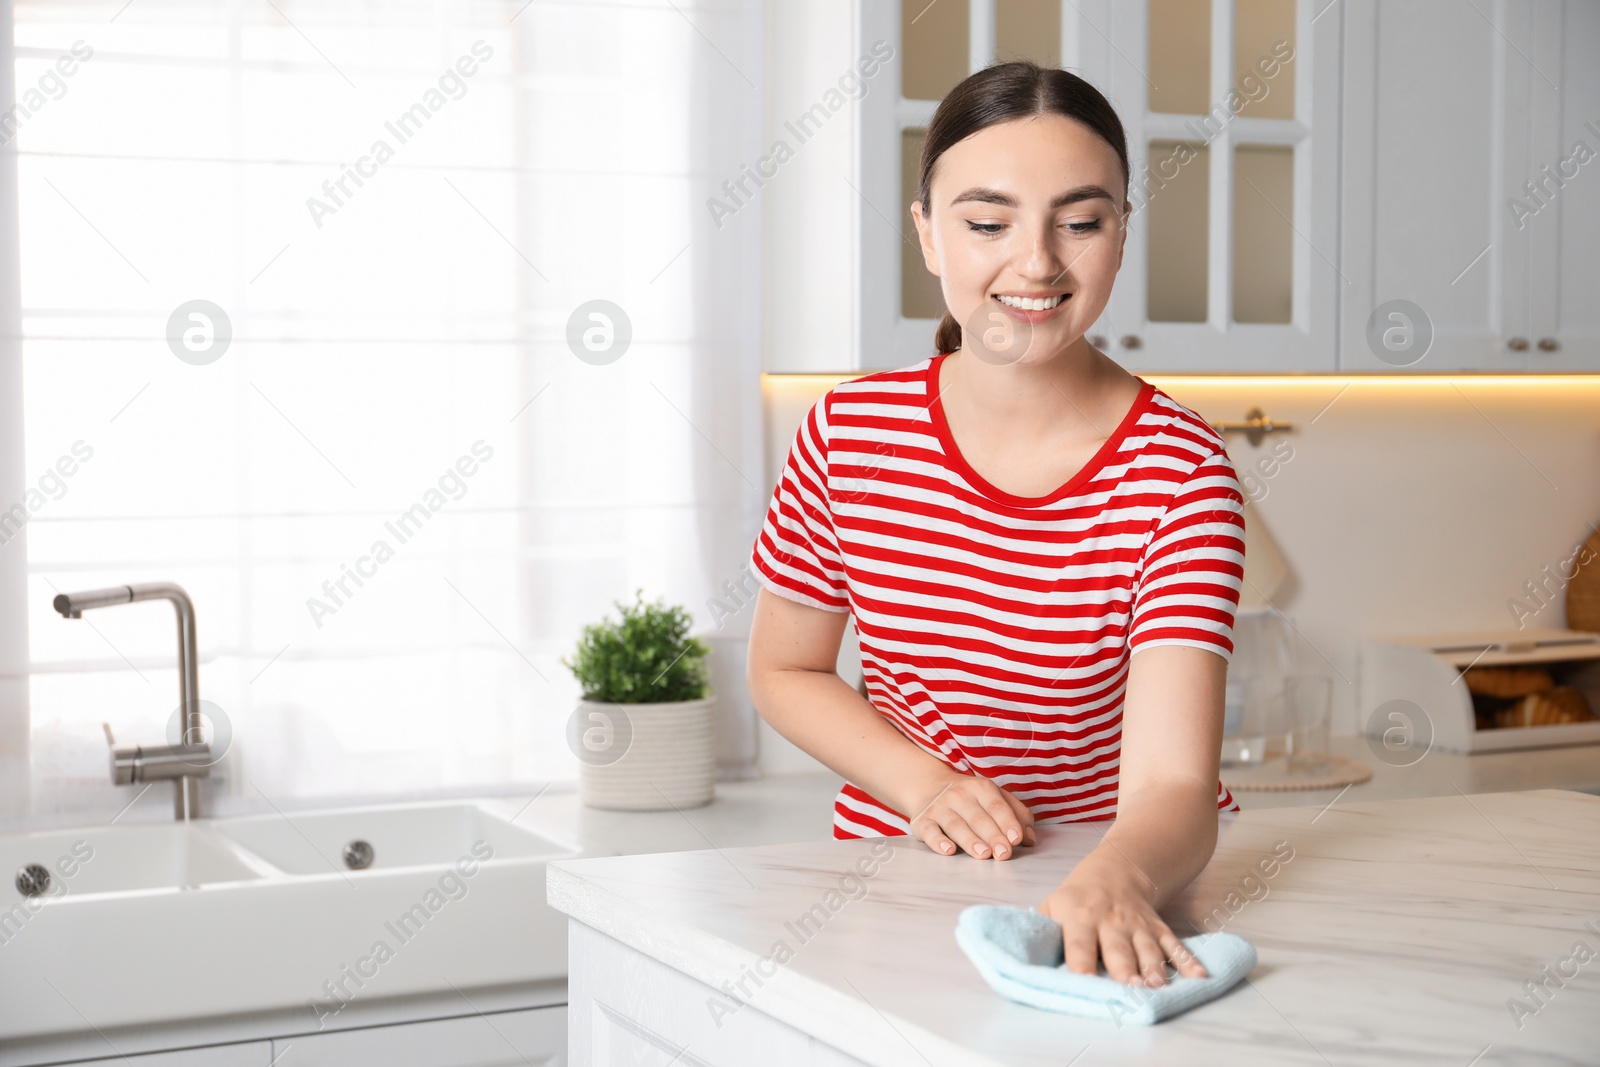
<point x="300" y="289"/>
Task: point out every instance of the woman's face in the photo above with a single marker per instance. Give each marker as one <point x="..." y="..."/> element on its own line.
<point x="1027" y="208"/>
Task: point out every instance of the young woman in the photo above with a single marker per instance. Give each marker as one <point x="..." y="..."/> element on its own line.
<point x="1041" y="551"/>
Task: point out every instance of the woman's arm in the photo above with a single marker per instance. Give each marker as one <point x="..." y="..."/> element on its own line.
<point x="1166" y="826"/>
<point x="794" y="649"/>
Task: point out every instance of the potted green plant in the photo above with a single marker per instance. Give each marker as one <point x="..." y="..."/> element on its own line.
<point x="643" y="730"/>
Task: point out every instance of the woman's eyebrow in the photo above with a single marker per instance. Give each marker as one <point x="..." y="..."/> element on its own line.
<point x="984" y="194"/>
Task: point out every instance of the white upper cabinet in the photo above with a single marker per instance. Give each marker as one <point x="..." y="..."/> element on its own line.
<point x="1564" y="228"/>
<point x="1231" y="113"/>
<point x="1464" y="194"/>
<point x="1319" y="186"/>
<point x="1231" y="108"/>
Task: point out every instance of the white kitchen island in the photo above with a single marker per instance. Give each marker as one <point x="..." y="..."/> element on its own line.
<point x="1397" y="931"/>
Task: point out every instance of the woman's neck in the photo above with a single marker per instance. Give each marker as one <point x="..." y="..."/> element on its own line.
<point x="1073" y="387"/>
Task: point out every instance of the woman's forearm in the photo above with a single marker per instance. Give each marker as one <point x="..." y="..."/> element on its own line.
<point x="821" y="713"/>
<point x="1162" y="838"/>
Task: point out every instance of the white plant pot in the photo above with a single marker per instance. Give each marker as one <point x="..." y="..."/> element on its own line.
<point x="646" y="757"/>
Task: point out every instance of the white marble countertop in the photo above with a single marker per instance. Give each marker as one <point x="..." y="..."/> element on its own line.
<point x="1397" y="933"/>
<point x="799" y="806"/>
<point x="1440" y="773"/>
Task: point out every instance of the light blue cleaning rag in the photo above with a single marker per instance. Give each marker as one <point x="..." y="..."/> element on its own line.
<point x="1019" y="953"/>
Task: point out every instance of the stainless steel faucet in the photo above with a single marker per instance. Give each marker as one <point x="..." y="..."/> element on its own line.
<point x="188" y="761"/>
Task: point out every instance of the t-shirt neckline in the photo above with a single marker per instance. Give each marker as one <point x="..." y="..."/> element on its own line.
<point x="1103" y="454"/>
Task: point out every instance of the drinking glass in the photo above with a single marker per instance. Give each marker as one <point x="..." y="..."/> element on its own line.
<point x="1263" y="656"/>
<point x="1306" y="745"/>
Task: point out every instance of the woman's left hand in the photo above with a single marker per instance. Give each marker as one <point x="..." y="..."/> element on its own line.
<point x="1105" y="913"/>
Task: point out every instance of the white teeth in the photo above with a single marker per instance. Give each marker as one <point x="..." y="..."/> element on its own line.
<point x="1028" y="304"/>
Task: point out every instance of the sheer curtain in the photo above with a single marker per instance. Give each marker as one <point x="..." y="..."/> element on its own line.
<point x="321" y="307"/>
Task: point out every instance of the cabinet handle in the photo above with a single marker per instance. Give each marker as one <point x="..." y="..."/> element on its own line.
<point x="1518" y="344"/>
<point x="1256" y="425"/>
<point x="1098" y="340"/>
<point x="1548" y="344"/>
<point x="1130" y="340"/>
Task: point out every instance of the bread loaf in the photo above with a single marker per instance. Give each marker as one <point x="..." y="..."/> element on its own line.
<point x="1559" y="705"/>
<point x="1508" y="683"/>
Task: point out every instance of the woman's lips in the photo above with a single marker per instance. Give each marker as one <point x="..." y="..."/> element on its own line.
<point x="1032" y="318"/>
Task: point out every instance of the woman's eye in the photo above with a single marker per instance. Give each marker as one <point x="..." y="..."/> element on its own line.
<point x="992" y="228"/>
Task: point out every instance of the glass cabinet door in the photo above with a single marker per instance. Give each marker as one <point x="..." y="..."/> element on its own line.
<point x="1231" y="112"/>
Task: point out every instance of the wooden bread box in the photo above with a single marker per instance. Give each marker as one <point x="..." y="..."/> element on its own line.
<point x="1429" y="672"/>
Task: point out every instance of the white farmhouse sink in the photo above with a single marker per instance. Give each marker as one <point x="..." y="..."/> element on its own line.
<point x="399" y="836"/>
<point x="156" y="923"/>
<point x="124" y="858"/>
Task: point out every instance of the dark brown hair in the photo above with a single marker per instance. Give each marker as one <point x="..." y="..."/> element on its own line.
<point x="1000" y="93"/>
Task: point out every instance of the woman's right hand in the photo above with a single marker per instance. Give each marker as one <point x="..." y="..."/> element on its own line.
<point x="973" y="814"/>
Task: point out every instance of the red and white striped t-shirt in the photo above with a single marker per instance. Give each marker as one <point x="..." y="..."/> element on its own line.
<point x="996" y="630"/>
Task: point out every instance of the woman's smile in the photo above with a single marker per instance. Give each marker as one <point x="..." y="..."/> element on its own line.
<point x="1031" y="309"/>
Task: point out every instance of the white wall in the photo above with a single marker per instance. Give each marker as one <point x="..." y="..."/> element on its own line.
<point x="1409" y="506"/>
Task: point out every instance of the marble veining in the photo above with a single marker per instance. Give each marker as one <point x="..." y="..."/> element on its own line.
<point x="1396" y="931"/>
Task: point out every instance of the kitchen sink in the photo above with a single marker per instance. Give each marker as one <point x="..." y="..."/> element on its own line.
<point x="153" y="923"/>
<point x="109" y="859"/>
<point x="384" y="838"/>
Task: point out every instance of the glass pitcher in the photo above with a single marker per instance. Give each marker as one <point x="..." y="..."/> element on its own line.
<point x="1263" y="658"/>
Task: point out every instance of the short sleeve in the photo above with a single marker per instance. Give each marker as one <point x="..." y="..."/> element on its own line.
<point x="796" y="555"/>
<point x="1192" y="567"/>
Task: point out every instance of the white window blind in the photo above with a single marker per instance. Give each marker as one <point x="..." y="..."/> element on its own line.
<point x="398" y="494"/>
